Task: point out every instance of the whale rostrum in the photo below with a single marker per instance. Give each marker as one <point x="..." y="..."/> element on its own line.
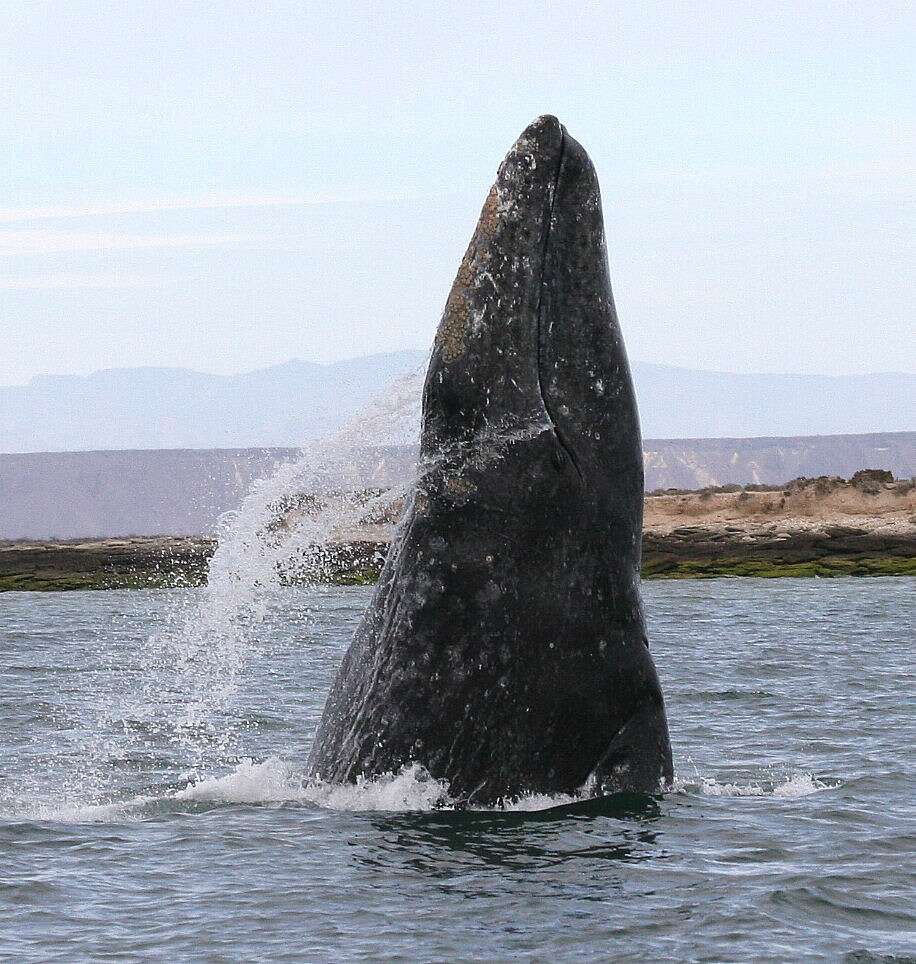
<point x="505" y="648"/>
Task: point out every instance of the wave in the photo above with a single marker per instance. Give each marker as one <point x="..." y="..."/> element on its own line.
<point x="703" y="696"/>
<point x="795" y="785"/>
<point x="413" y="789"/>
<point x="68" y="811"/>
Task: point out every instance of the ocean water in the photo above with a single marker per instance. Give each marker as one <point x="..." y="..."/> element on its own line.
<point x="152" y="804"/>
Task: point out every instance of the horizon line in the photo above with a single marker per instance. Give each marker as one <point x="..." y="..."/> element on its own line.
<point x="300" y="448"/>
<point x="420" y="351"/>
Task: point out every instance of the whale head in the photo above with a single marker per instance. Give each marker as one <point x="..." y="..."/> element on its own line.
<point x="529" y="342"/>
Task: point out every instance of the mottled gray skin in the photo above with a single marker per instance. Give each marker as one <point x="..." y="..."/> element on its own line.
<point x="505" y="647"/>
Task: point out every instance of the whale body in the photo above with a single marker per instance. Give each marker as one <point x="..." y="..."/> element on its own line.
<point x="504" y="648"/>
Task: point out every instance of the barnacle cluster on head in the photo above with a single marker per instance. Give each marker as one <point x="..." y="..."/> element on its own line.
<point x="451" y="338"/>
<point x="518" y="181"/>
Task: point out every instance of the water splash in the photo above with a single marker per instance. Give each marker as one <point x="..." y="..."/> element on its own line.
<point x="194" y="666"/>
<point x="272" y="781"/>
<point x="185" y="689"/>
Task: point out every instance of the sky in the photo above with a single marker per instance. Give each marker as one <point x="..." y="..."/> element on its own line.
<point x="224" y="186"/>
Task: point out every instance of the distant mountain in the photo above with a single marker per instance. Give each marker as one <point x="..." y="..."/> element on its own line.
<point x="290" y="404"/>
<point x="155" y="408"/>
<point x="682" y="403"/>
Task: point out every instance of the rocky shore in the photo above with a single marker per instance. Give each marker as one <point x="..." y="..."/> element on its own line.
<point x="810" y="527"/>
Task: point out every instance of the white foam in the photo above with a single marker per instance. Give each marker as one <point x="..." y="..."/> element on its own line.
<point x="533" y="802"/>
<point x="272" y="781"/>
<point x="796" y="785"/>
<point x="802" y="785"/>
<point x="412" y="789"/>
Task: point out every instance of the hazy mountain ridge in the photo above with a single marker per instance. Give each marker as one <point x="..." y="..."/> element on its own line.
<point x="159" y="408"/>
<point x="684" y="403"/>
<point x="287" y="405"/>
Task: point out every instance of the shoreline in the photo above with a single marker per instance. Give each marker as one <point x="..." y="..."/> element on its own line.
<point x="820" y="527"/>
<point x="693" y="552"/>
<point x="167" y="563"/>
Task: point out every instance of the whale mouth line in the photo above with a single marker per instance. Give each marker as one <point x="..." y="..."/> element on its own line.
<point x="539" y="310"/>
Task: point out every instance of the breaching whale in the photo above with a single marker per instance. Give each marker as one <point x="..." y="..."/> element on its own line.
<point x="505" y="648"/>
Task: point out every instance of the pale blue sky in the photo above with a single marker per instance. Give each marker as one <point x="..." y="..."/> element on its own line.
<point x="227" y="185"/>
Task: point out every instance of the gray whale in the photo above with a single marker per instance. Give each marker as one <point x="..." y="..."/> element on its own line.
<point x="505" y="648"/>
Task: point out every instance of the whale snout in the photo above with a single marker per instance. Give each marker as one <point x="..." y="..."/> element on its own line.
<point x="529" y="338"/>
<point x="540" y="143"/>
<point x="484" y="368"/>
